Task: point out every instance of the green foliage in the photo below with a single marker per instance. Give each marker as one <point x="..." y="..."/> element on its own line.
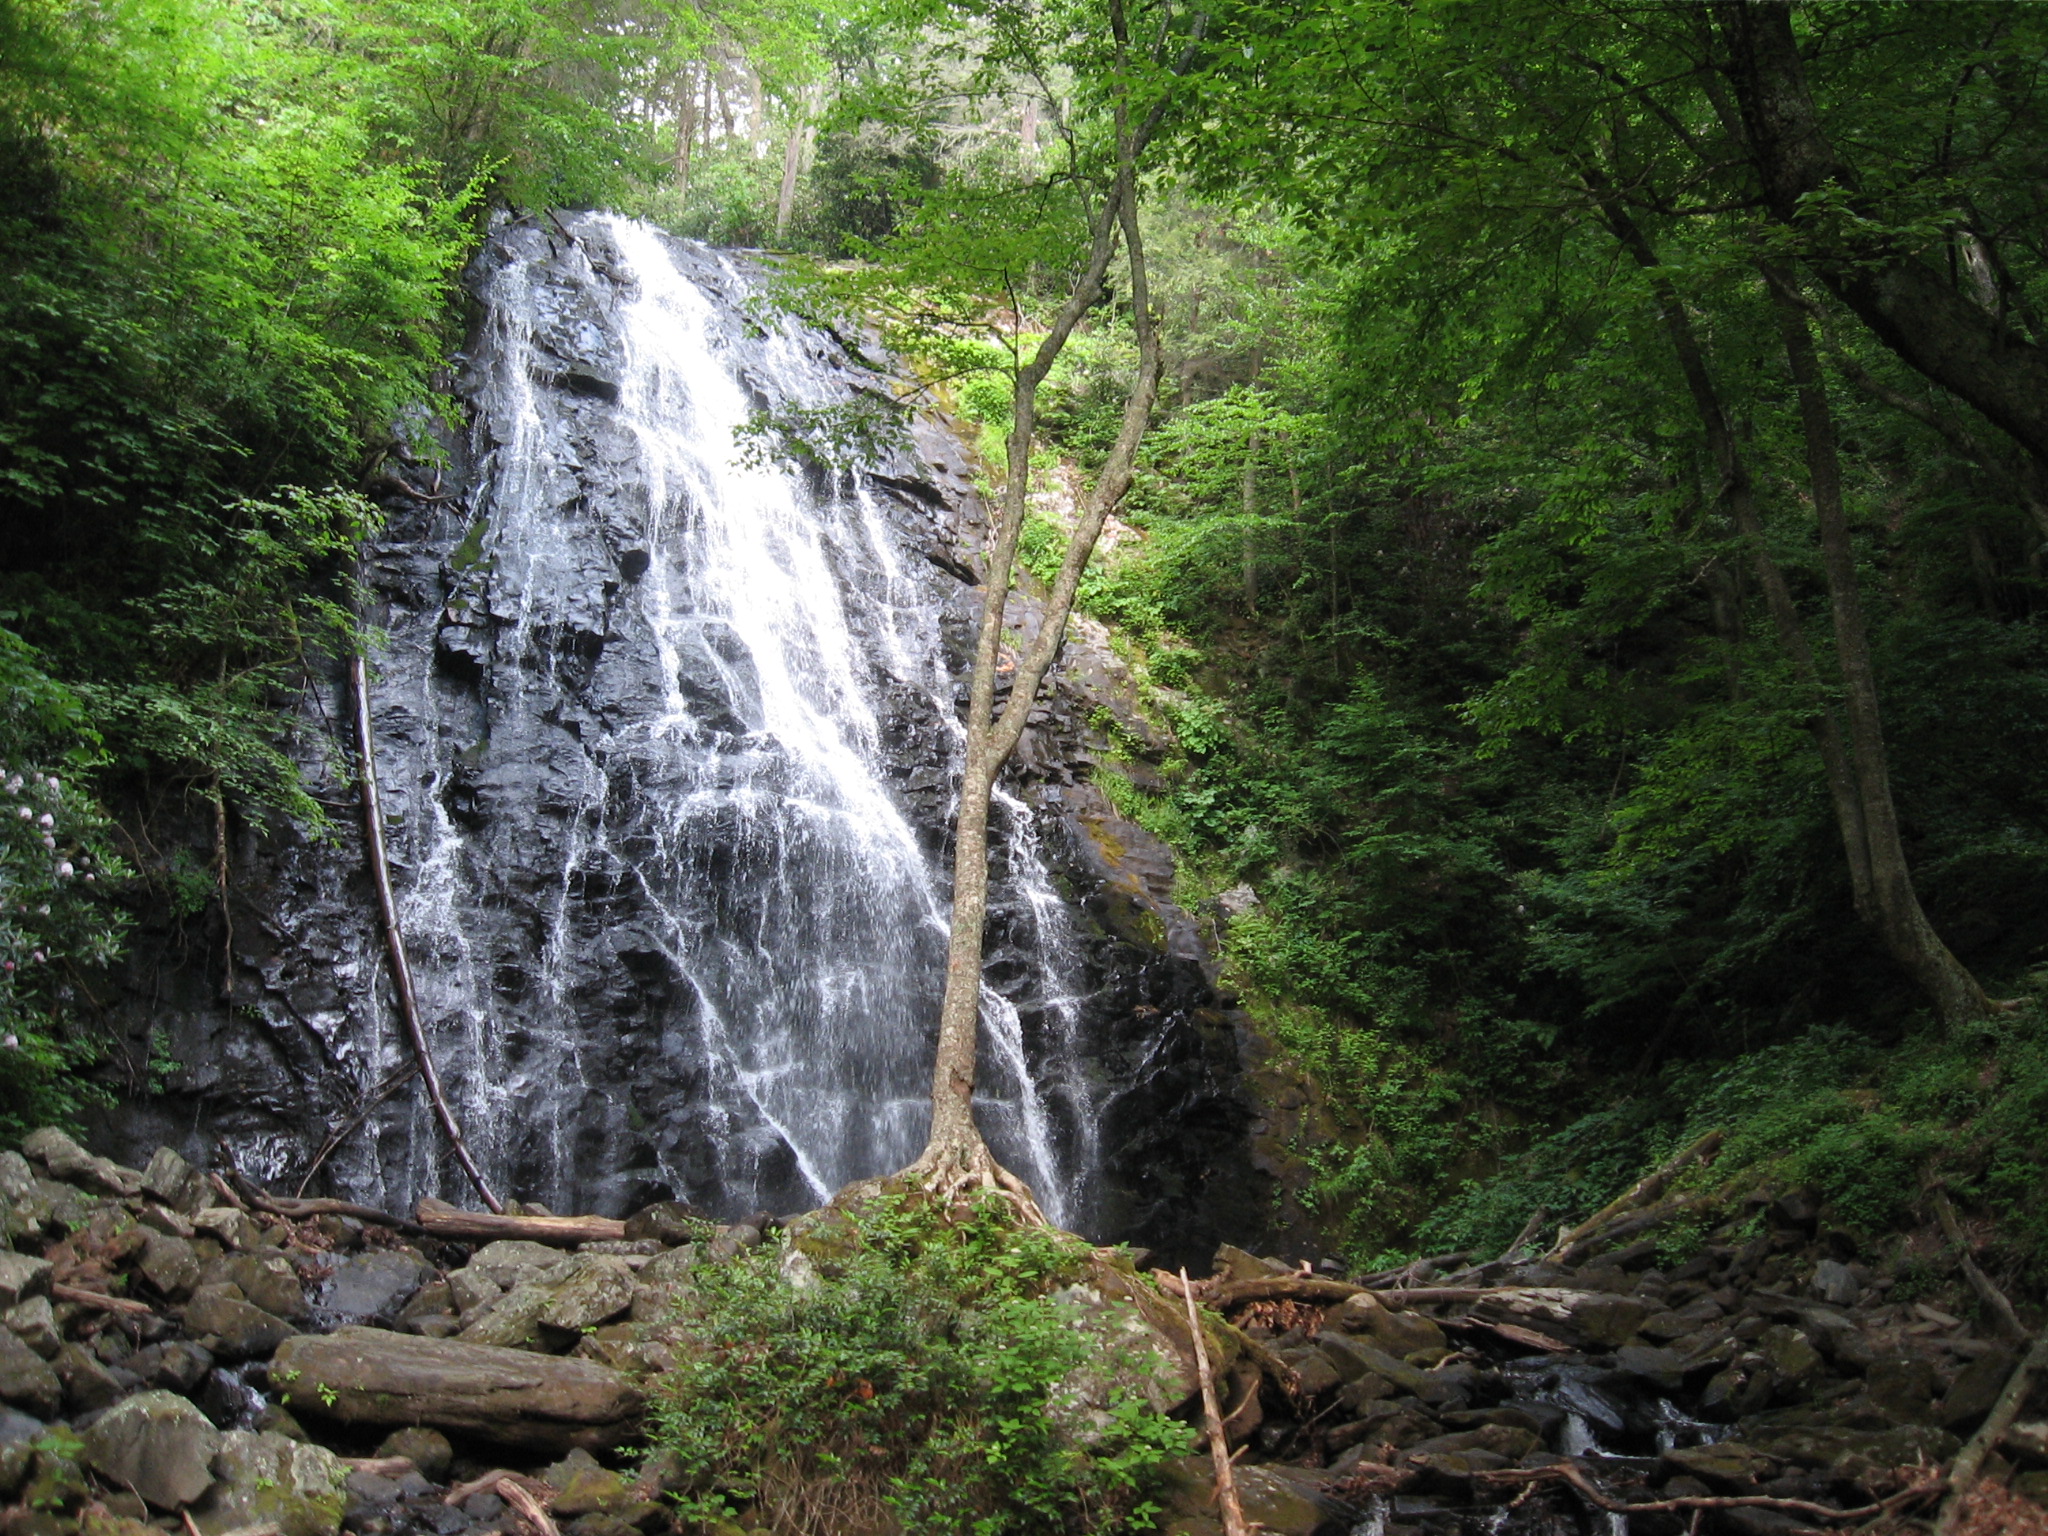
<point x="920" y="1374"/>
<point x="58" y="876"/>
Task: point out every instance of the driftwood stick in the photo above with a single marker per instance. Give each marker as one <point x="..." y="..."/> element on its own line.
<point x="394" y="938"/>
<point x="441" y="1219"/>
<point x="221" y="1188"/>
<point x="1212" y="1421"/>
<point x="1570" y="1472"/>
<point x="462" y="1493"/>
<point x="527" y="1507"/>
<point x="1642" y="1192"/>
<point x="1990" y="1294"/>
<point x="85" y="1298"/>
<point x="1964" y="1471"/>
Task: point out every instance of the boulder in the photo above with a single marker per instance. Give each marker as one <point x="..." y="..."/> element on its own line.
<point x="1833" y="1283"/>
<point x="34" y="1322"/>
<point x="22" y="1277"/>
<point x="511" y="1262"/>
<point x="512" y="1321"/>
<point x="156" y="1443"/>
<point x="598" y="1289"/>
<point x="506" y="1396"/>
<point x="26" y="1380"/>
<point x="230" y="1227"/>
<point x="471" y="1290"/>
<point x="170" y="1264"/>
<point x="266" y="1479"/>
<point x="376" y="1284"/>
<point x="1729" y="1466"/>
<point x="266" y="1279"/>
<point x="178" y="1365"/>
<point x="222" y="1320"/>
<point x="1398" y="1333"/>
<point x="426" y="1449"/>
<point x="70" y="1163"/>
<point x="670" y="1222"/>
<point x="174" y="1181"/>
<point x="88" y="1385"/>
<point x="1128" y="1356"/>
<point x="1976" y="1389"/>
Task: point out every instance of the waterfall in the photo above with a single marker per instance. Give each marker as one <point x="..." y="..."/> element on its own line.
<point x="675" y="927"/>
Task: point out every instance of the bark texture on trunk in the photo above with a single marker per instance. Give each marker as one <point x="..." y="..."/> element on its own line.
<point x="1910" y="306"/>
<point x="1899" y="916"/>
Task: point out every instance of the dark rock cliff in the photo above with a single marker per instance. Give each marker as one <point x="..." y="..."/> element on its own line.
<point x="667" y="945"/>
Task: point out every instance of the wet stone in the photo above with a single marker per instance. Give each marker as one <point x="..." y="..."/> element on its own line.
<point x="26" y="1380"/>
<point x="157" y="1444"/>
<point x="372" y="1285"/>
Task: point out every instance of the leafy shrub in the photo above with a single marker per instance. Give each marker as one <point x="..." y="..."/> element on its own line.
<point x="913" y="1382"/>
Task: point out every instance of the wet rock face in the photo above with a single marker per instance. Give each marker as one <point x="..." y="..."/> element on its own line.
<point x="667" y="753"/>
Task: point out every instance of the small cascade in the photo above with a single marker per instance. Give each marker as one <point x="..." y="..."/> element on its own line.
<point x="666" y="905"/>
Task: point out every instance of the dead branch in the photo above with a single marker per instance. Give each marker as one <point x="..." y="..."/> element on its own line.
<point x="1529" y="1229"/>
<point x="85" y="1298"/>
<point x="1964" y="1471"/>
<point x="462" y="1493"/>
<point x="527" y="1507"/>
<point x="1642" y="1192"/>
<point x="1212" y="1421"/>
<point x="440" y="1219"/>
<point x="1992" y="1296"/>
<point x="394" y="938"/>
<point x="306" y="1210"/>
<point x="1571" y="1472"/>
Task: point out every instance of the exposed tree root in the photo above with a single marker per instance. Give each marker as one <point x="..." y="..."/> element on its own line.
<point x="956" y="1169"/>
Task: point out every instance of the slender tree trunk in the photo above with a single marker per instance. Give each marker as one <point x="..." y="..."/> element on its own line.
<point x="956" y="1158"/>
<point x="1738" y="496"/>
<point x="757" y="113"/>
<point x="1248" y="504"/>
<point x="792" y="163"/>
<point x="686" y="127"/>
<point x="1900" y="917"/>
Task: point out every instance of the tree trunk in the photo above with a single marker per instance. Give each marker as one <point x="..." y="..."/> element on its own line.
<point x="792" y="163"/>
<point x="1248" y="504"/>
<point x="955" y="1157"/>
<point x="1738" y="496"/>
<point x="686" y="128"/>
<point x="1909" y="305"/>
<point x="1900" y="917"/>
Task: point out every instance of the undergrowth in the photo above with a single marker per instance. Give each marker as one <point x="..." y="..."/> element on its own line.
<point x="1866" y="1123"/>
<point x="907" y="1371"/>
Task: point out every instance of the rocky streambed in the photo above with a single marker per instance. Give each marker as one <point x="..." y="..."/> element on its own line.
<point x="185" y="1353"/>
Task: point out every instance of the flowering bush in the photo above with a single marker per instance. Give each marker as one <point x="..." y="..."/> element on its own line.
<point x="58" y="919"/>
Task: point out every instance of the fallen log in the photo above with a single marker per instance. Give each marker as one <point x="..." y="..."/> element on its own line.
<point x="1282" y="1288"/>
<point x="1642" y="1192"/>
<point x="440" y="1219"/>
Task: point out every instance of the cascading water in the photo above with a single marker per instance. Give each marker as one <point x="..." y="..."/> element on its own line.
<point x="703" y="658"/>
<point x="666" y="742"/>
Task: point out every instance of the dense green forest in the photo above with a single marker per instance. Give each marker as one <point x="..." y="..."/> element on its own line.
<point x="1588" y="548"/>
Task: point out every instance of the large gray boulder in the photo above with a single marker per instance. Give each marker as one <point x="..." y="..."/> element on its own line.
<point x="509" y="1397"/>
<point x="267" y="1479"/>
<point x="157" y="1444"/>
